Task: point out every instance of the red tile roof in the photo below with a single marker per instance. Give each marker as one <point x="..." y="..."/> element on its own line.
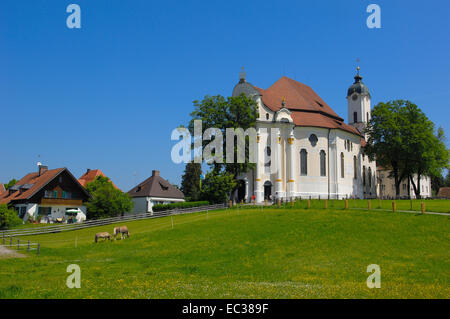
<point x="308" y="108"/>
<point x="91" y="175"/>
<point x="2" y="188"/>
<point x="35" y="181"/>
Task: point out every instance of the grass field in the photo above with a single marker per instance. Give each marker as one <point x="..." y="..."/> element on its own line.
<point x="244" y="253"/>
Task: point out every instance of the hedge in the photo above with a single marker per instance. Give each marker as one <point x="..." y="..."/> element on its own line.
<point x="181" y="205"/>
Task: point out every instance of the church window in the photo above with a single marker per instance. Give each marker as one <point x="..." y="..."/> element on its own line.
<point x="355" y="167"/>
<point x="267" y="116"/>
<point x="323" y="167"/>
<point x="367" y="117"/>
<point x="268" y="160"/>
<point x="355" y="117"/>
<point x="303" y="162"/>
<point x="370" y="177"/>
<point x="364" y="176"/>
<point x="313" y="139"/>
<point x="342" y="165"/>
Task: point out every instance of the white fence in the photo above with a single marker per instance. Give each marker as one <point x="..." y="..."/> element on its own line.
<point x="105" y="221"/>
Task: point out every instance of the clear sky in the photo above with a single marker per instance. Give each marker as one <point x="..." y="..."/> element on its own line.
<point x="109" y="94"/>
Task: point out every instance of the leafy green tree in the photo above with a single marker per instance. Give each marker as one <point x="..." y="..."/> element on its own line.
<point x="217" y="187"/>
<point x="402" y="138"/>
<point x="385" y="141"/>
<point x="190" y="181"/>
<point x="106" y="200"/>
<point x="220" y="113"/>
<point x="8" y="217"/>
<point x="11" y="183"/>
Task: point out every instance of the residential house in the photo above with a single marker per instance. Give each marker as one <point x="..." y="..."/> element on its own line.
<point x="90" y="176"/>
<point x="47" y="195"/>
<point x="386" y="185"/>
<point x="154" y="190"/>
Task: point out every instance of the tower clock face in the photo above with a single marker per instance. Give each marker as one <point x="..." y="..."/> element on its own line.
<point x="354" y="97"/>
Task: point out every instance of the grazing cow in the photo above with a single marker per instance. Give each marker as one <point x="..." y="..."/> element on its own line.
<point x="122" y="230"/>
<point x="104" y="235"/>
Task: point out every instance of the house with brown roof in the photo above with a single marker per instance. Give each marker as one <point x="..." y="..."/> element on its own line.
<point x="48" y="195"/>
<point x="154" y="190"/>
<point x="2" y="188"/>
<point x="91" y="175"/>
<point x="444" y="192"/>
<point x="304" y="148"/>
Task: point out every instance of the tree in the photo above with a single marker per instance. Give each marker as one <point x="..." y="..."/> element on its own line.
<point x="385" y="142"/>
<point x="106" y="200"/>
<point x="222" y="114"/>
<point x="8" y="217"/>
<point x="190" y="182"/>
<point x="402" y="138"/>
<point x="217" y="187"/>
<point x="10" y="184"/>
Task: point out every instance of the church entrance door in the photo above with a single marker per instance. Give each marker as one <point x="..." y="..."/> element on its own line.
<point x="267" y="190"/>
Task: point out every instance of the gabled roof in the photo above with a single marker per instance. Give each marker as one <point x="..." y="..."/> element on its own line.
<point x="2" y="188"/>
<point x="91" y="175"/>
<point x="156" y="186"/>
<point x="307" y="108"/>
<point x="32" y="183"/>
<point x="444" y="192"/>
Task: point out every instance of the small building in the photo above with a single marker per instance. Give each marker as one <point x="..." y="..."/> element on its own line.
<point x="91" y="175"/>
<point x="152" y="191"/>
<point x="386" y="185"/>
<point x="444" y="192"/>
<point x="49" y="195"/>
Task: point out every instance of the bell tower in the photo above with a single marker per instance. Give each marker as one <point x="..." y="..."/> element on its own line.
<point x="358" y="101"/>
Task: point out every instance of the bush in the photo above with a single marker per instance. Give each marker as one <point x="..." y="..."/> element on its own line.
<point x="8" y="217"/>
<point x="181" y="205"/>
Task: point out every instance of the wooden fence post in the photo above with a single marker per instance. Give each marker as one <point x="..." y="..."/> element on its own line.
<point x="326" y="203"/>
<point x="292" y="203"/>
<point x="231" y="203"/>
<point x="28" y="246"/>
<point x="309" y="203"/>
<point x="18" y="243"/>
<point x="10" y="241"/>
<point x="346" y="204"/>
<point x="38" y="248"/>
<point x="394" y="206"/>
<point x="368" y="204"/>
<point x="422" y="207"/>
<point x="279" y="202"/>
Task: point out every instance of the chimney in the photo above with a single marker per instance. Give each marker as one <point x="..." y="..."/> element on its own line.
<point x="88" y="170"/>
<point x="42" y="169"/>
<point x="155" y="173"/>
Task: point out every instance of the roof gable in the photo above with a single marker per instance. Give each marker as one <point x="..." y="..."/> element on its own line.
<point x="32" y="183"/>
<point x="156" y="186"/>
<point x="91" y="175"/>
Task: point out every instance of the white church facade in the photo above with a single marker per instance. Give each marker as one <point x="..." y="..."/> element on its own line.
<point x="314" y="153"/>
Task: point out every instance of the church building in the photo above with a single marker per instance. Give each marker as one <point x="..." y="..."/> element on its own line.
<point x="314" y="153"/>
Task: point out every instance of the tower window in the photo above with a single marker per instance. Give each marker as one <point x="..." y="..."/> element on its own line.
<point x="367" y="117"/>
<point x="355" y="117"/>
<point x="342" y="165"/>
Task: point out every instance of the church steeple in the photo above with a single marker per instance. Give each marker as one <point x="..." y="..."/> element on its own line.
<point x="358" y="99"/>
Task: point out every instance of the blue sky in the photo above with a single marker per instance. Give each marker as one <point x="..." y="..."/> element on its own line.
<point x="109" y="94"/>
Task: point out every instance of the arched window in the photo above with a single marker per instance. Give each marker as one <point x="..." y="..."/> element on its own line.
<point x="268" y="160"/>
<point x="303" y="162"/>
<point x="355" y="167"/>
<point x="313" y="139"/>
<point x="370" y="177"/>
<point x="267" y="116"/>
<point x="342" y="165"/>
<point x="367" y="117"/>
<point x="323" y="167"/>
<point x="364" y="176"/>
<point x="355" y="117"/>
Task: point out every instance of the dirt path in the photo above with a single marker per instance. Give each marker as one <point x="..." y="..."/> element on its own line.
<point x="7" y="253"/>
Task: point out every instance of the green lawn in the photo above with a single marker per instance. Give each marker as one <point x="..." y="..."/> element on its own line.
<point x="244" y="253"/>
